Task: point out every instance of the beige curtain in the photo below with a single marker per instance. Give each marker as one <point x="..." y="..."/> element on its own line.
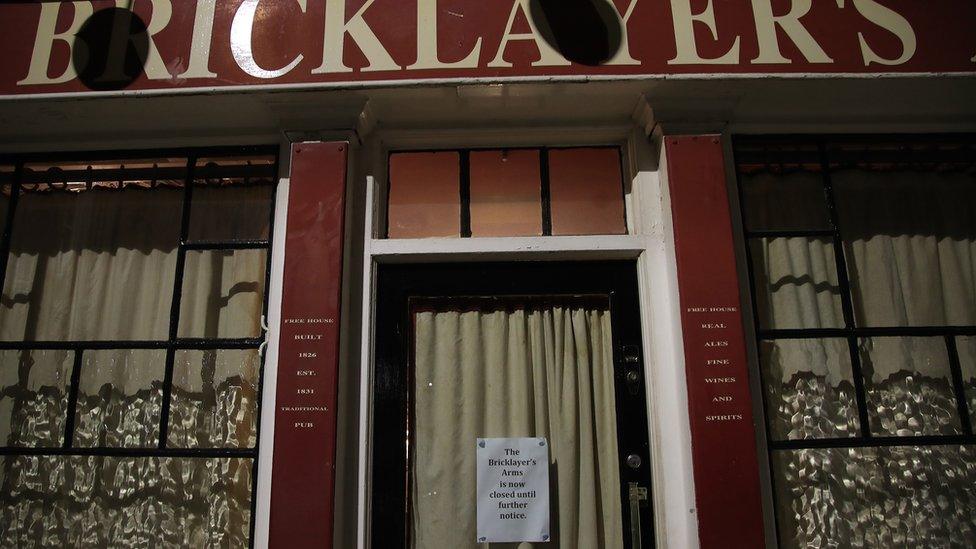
<point x="100" y="265"/>
<point x="910" y="247"/>
<point x="536" y="371"/>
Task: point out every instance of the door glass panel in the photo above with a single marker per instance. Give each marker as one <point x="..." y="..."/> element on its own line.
<point x="514" y="367"/>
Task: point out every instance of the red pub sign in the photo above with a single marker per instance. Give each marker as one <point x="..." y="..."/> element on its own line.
<point x="194" y="44"/>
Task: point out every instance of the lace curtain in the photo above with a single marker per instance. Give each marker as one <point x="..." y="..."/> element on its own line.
<point x="531" y="371"/>
<point x="909" y="241"/>
<point x="100" y="265"/>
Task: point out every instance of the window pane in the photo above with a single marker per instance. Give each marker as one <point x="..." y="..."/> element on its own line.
<point x="223" y="293"/>
<point x="99" y="501"/>
<point x="966" y="347"/>
<point x="586" y="191"/>
<point x="91" y="265"/>
<point x="232" y="199"/>
<point x="784" y="201"/>
<point x="909" y="386"/>
<point x="796" y="283"/>
<point x="809" y="389"/>
<point x="34" y="397"/>
<point x="876" y="497"/>
<point x="119" y="398"/>
<point x="214" y="402"/>
<point x="505" y="193"/>
<point x="425" y="199"/>
<point x="910" y="237"/>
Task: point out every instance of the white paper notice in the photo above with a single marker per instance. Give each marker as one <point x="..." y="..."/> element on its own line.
<point x="513" y="489"/>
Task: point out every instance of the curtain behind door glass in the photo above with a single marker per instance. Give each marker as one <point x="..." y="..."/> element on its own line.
<point x="543" y="371"/>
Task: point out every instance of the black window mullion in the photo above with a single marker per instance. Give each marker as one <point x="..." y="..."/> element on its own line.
<point x="227" y="245"/>
<point x="8" y="226"/>
<point x="69" y="422"/>
<point x="847" y="302"/>
<point x="545" y="191"/>
<point x="264" y="351"/>
<point x="464" y="191"/>
<point x="758" y="328"/>
<point x="174" y="318"/>
<point x="962" y="405"/>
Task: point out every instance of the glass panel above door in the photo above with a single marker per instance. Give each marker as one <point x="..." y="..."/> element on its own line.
<point x="534" y="191"/>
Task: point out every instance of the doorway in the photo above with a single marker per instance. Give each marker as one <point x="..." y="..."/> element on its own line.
<point x="529" y="349"/>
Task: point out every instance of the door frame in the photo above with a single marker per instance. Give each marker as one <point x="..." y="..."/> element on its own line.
<point x="397" y="284"/>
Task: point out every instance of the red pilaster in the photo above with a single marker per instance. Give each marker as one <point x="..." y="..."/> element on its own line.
<point x="303" y="472"/>
<point x="719" y="400"/>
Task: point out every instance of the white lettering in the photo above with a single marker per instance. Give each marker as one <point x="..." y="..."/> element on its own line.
<point x="427" y="42"/>
<point x="891" y="21"/>
<point x="336" y="28"/>
<point x="728" y="417"/>
<point x="241" y="45"/>
<point x="766" y="24"/>
<point x="44" y="42"/>
<point x="203" y="20"/>
<point x="548" y="57"/>
<point x="684" y="35"/>
<point x="623" y="55"/>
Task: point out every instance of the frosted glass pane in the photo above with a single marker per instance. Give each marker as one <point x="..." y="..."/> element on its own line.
<point x="505" y="193"/>
<point x="900" y="496"/>
<point x="230" y="213"/>
<point x="796" y="283"/>
<point x="120" y="398"/>
<point x="214" y="402"/>
<point x="99" y="501"/>
<point x="34" y="397"/>
<point x="223" y="293"/>
<point x="425" y="198"/>
<point x="91" y="265"/>
<point x="909" y="386"/>
<point x="587" y="192"/>
<point x="910" y="240"/>
<point x="790" y="201"/>
<point x="809" y="388"/>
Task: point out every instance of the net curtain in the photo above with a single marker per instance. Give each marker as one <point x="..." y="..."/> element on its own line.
<point x="100" y="265"/>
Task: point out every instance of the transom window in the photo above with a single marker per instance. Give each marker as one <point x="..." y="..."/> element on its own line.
<point x="130" y="328"/>
<point x="862" y="260"/>
<point x="505" y="192"/>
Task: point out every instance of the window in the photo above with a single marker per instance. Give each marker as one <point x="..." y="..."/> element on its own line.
<point x="862" y="260"/>
<point x="506" y="192"/>
<point x="130" y="327"/>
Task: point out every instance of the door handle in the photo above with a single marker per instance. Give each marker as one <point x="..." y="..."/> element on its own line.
<point x="636" y="494"/>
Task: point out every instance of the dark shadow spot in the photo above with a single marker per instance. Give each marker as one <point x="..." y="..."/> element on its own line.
<point x="587" y="32"/>
<point x="112" y="49"/>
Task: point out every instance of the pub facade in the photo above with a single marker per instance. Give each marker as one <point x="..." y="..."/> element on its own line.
<point x="308" y="273"/>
